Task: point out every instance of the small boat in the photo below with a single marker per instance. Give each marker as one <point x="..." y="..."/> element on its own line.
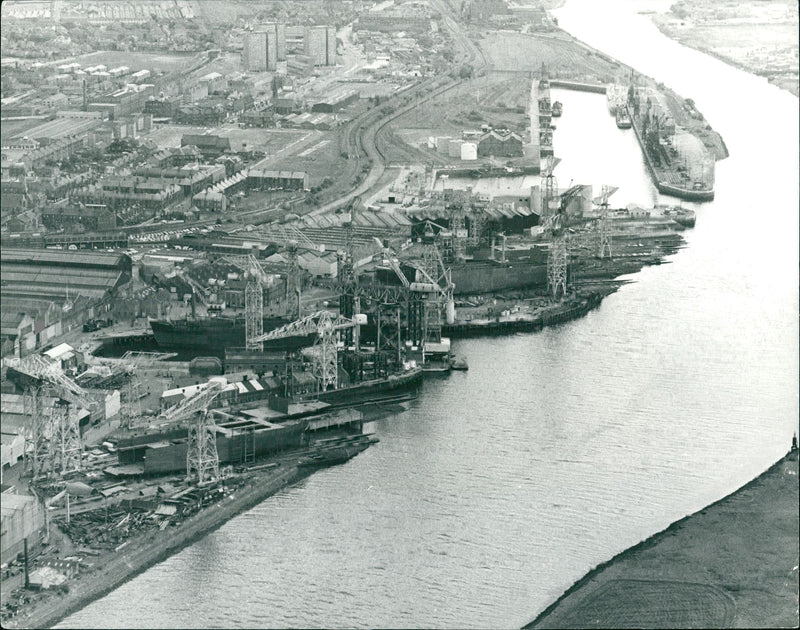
<point x="556" y="109"/>
<point x="623" y="118"/>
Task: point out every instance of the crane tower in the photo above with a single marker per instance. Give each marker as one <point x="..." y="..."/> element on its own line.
<point x="603" y="231"/>
<point x="202" y="459"/>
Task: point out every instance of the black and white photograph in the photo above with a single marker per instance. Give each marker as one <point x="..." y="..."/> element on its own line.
<point x="399" y="314"/>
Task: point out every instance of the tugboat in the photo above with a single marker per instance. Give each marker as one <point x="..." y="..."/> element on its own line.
<point x="623" y="118"/>
<point x="556" y="109"/>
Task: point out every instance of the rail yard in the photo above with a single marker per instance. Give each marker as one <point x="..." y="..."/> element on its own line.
<point x="219" y="269"/>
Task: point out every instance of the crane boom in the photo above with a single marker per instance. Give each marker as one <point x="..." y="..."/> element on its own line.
<point x="188" y="406"/>
<point x="314" y="323"/>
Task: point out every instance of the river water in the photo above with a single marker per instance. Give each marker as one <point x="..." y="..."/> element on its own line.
<point x="501" y="486"/>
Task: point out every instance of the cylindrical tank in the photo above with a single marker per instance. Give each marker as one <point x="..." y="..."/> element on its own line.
<point x="451" y="311"/>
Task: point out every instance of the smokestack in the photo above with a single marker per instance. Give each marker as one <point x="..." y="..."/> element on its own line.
<point x="85" y="103"/>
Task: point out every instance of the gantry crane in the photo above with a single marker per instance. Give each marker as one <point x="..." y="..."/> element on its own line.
<point x="54" y="432"/>
<point x="326" y="326"/>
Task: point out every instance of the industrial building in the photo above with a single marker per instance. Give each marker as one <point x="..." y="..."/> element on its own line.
<point x="22" y="519"/>
<point x="335" y="100"/>
<point x="258" y="179"/>
<point x="48" y="292"/>
<point x="500" y="143"/>
<point x="391" y="23"/>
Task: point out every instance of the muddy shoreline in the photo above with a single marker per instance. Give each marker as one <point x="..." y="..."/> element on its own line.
<point x="734" y="560"/>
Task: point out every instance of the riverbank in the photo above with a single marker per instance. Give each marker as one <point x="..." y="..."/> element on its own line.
<point x="732" y="564"/>
<point x="110" y="570"/>
<point x="753" y="37"/>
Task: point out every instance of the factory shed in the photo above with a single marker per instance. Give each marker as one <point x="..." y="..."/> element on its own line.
<point x="60" y="275"/>
<point x="22" y="517"/>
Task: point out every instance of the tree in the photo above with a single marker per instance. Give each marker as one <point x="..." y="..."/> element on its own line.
<point x="465" y="72"/>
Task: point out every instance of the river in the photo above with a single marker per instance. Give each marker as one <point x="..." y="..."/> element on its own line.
<point x="501" y="486"/>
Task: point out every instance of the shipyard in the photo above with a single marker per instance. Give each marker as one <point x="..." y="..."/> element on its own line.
<point x="241" y="246"/>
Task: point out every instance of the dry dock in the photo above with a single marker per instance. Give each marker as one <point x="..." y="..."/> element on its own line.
<point x="732" y="564"/>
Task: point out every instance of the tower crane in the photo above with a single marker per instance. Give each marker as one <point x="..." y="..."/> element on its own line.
<point x="345" y="271"/>
<point x="326" y="326"/>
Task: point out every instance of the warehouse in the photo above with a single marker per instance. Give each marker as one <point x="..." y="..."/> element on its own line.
<point x="55" y="291"/>
<point x="500" y="144"/>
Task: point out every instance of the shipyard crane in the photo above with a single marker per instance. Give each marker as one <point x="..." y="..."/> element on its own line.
<point x="134" y="362"/>
<point x="549" y="190"/>
<point x="199" y="402"/>
<point x="431" y="292"/>
<point x="603" y="230"/>
<point x="557" y="258"/>
<point x="326" y="326"/>
<point x="54" y="432"/>
<point x="253" y="297"/>
<point x="202" y="458"/>
<point x="347" y="278"/>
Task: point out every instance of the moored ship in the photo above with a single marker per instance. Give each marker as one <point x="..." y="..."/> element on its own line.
<point x="209" y="334"/>
<point x="623" y="118"/>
